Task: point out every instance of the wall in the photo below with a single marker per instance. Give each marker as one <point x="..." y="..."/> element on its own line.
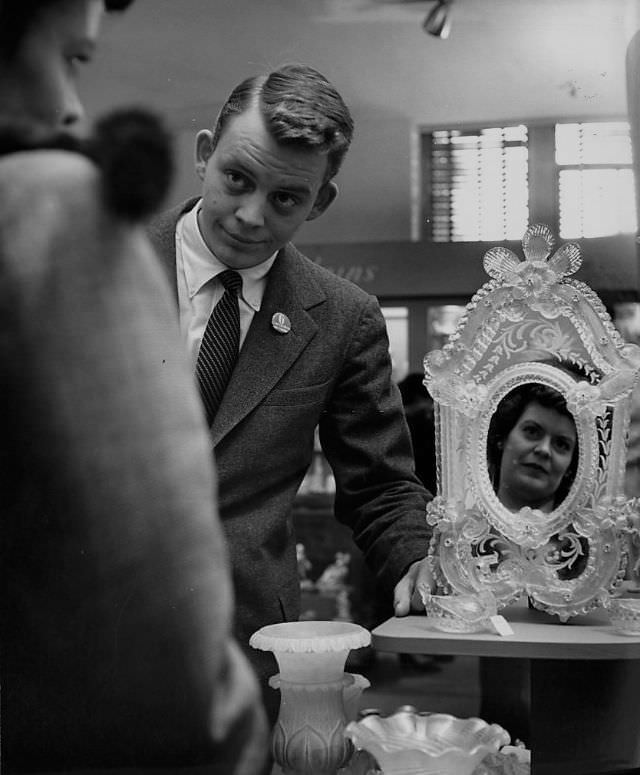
<point x="505" y="60"/>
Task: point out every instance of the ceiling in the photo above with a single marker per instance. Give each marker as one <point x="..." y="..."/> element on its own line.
<point x="505" y="60"/>
<point x="186" y="54"/>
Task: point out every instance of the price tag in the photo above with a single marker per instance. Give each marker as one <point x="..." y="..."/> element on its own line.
<point x="501" y="625"/>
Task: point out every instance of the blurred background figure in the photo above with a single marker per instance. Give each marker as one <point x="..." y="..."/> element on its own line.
<point x="418" y="407"/>
<point x="419" y="413"/>
<point x="626" y="317"/>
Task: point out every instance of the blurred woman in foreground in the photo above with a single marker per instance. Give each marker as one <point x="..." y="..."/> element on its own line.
<point x="116" y="646"/>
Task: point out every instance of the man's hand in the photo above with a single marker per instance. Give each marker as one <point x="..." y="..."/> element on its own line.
<point x="406" y="597"/>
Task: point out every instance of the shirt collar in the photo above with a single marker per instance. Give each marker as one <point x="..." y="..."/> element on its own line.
<point x="201" y="265"/>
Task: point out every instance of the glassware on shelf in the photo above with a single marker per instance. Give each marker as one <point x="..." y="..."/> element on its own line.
<point x="412" y="743"/>
<point x="459" y="613"/>
<point x="309" y="735"/>
<point x="509" y="760"/>
<point x="633" y="544"/>
<point x="624" y="615"/>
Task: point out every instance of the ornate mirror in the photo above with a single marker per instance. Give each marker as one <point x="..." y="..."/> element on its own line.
<point x="532" y="397"/>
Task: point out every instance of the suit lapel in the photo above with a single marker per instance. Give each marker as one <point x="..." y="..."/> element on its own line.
<point x="162" y="233"/>
<point x="267" y="354"/>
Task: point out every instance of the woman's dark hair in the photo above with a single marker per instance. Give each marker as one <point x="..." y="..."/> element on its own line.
<point x="300" y="107"/>
<point x="17" y="16"/>
<point x="507" y="414"/>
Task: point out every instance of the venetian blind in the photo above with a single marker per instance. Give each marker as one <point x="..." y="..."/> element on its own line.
<point x="479" y="184"/>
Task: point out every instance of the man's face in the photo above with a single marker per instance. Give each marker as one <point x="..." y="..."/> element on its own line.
<point x="256" y="193"/>
<point x="40" y="83"/>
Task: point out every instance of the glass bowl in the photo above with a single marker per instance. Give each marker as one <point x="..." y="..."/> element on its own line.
<point x="408" y="742"/>
<point x="624" y="615"/>
<point x="460" y="613"/>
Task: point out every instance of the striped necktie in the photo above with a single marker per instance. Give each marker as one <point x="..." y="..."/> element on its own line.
<point x="220" y="344"/>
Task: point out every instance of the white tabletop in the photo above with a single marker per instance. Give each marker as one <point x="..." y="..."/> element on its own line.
<point x="536" y="636"/>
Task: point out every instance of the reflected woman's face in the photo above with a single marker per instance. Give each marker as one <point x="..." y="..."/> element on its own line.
<point x="536" y="455"/>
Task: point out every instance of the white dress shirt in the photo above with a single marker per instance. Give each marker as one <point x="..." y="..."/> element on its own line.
<point x="199" y="291"/>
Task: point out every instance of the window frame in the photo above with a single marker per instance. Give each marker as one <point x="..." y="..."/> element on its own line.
<point x="543" y="172"/>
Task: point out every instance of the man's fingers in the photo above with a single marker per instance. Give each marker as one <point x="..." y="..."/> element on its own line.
<point x="402" y="595"/>
<point x="407" y="595"/>
<point x="423" y="583"/>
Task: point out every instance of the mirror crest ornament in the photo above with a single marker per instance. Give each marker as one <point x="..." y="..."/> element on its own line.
<point x="533" y="323"/>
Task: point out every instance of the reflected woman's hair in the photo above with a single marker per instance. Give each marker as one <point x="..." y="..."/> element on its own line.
<point x="504" y="419"/>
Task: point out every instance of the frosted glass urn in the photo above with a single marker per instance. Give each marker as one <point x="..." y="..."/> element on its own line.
<point x="309" y="735"/>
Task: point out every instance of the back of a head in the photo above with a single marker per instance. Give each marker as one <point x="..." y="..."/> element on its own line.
<point x="300" y="107"/>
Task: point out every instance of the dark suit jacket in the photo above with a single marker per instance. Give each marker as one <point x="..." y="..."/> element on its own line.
<point x="116" y="592"/>
<point x="331" y="370"/>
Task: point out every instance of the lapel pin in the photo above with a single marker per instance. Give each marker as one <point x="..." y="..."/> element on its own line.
<point x="281" y="323"/>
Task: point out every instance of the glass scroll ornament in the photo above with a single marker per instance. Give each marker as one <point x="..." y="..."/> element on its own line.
<point x="532" y="323"/>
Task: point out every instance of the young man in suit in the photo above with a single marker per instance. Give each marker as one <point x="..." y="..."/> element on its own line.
<point x="313" y="349"/>
<point x="116" y="592"/>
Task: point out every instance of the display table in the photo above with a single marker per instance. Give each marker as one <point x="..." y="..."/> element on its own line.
<point x="570" y="691"/>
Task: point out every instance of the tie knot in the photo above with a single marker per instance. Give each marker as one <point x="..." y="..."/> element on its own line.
<point x="231" y="281"/>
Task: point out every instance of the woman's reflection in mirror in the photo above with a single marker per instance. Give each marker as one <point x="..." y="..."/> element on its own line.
<point x="532" y="456"/>
<point x="532" y="448"/>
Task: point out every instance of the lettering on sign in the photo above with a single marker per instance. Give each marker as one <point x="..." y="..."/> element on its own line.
<point x="360" y="274"/>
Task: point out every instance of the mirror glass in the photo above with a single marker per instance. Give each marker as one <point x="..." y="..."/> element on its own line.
<point x="532" y="448"/>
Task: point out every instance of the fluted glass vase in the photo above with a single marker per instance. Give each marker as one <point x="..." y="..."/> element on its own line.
<point x="308" y="738"/>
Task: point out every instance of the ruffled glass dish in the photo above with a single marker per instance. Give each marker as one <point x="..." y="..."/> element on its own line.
<point x="624" y="615"/>
<point x="411" y="743"/>
<point x="460" y="613"/>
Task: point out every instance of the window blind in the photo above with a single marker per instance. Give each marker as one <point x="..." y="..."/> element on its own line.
<point x="479" y="184"/>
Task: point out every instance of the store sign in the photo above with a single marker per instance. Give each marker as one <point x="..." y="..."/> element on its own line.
<point x="360" y="274"/>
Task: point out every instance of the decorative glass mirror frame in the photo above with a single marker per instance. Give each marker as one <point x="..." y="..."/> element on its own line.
<point x="533" y="323"/>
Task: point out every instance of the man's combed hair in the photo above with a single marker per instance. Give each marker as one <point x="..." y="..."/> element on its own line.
<point x="16" y="16"/>
<point x="300" y="107"/>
